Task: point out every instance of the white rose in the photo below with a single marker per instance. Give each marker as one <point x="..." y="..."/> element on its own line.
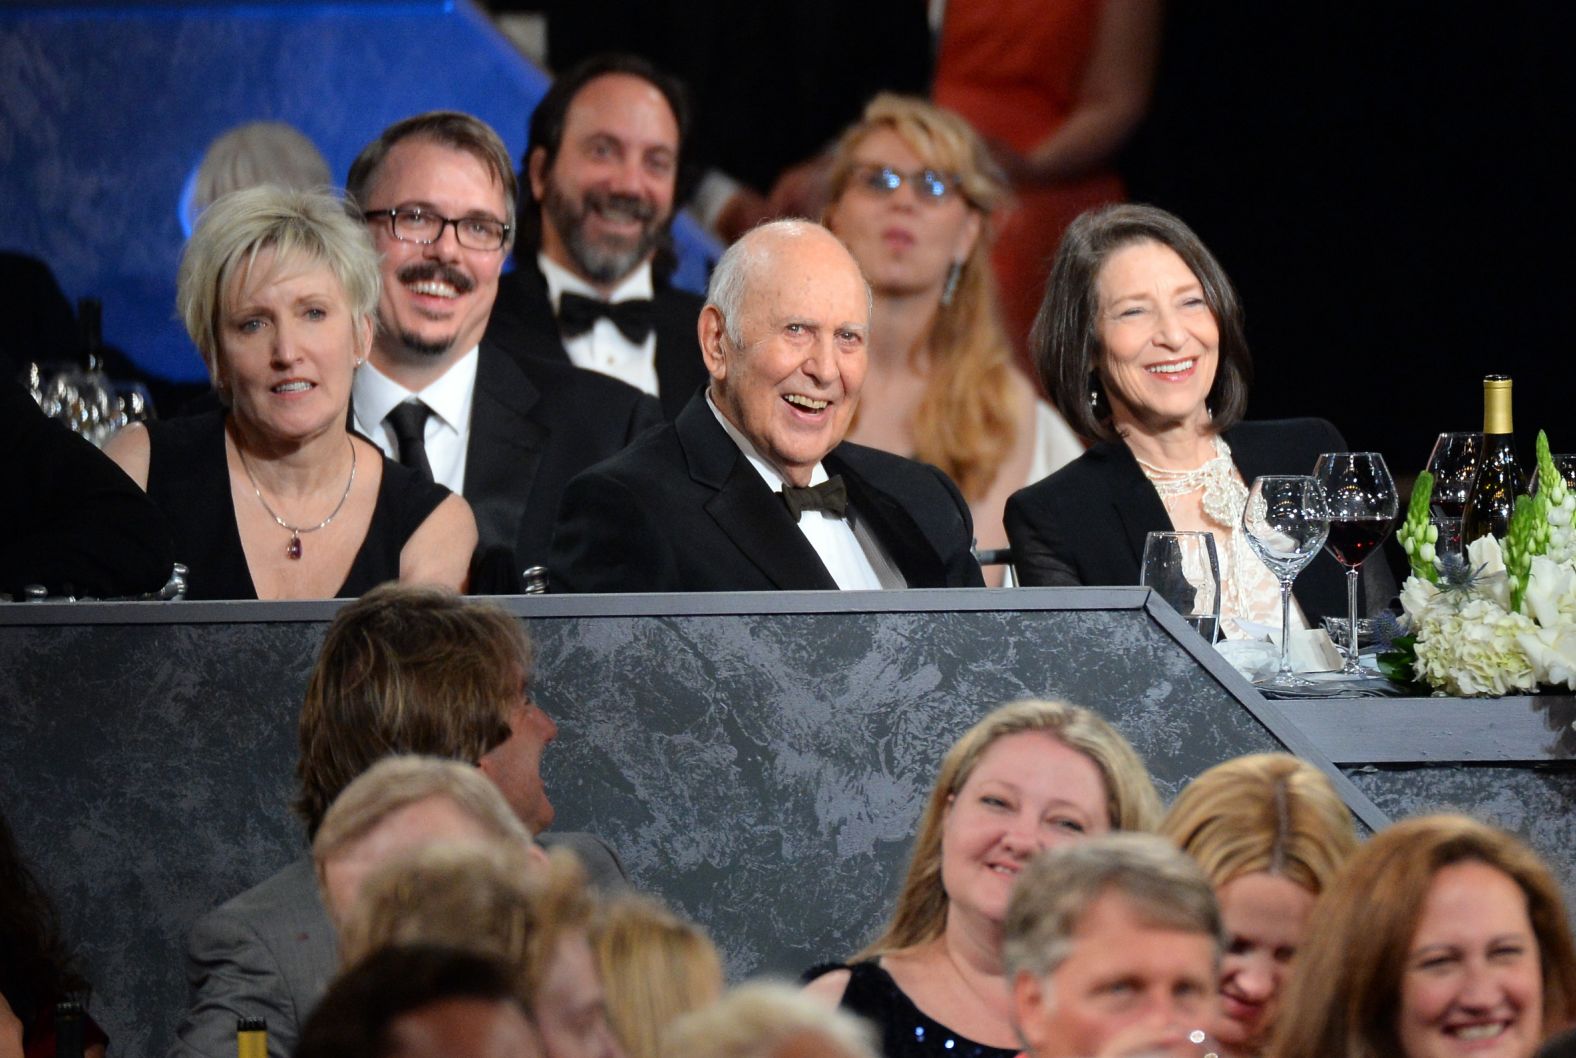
<point x="1488" y="563"/>
<point x="1552" y="652"/>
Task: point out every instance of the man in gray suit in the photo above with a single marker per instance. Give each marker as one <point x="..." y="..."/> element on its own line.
<point x="403" y="670"/>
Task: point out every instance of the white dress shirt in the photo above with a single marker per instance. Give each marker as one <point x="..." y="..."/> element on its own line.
<point x="851" y="555"/>
<point x="448" y="430"/>
<point x="604" y="348"/>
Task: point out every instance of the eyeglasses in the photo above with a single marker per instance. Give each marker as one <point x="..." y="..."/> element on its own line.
<point x="928" y="184"/>
<point x="425" y="227"/>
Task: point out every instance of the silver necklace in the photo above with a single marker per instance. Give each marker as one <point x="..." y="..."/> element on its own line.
<point x="293" y="549"/>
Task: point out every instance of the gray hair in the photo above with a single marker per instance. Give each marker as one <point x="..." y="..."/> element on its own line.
<point x="740" y="266"/>
<point x="1053" y="894"/>
<point x="298" y="226"/>
<point x="258" y="152"/>
<point x="397" y="782"/>
<point x="757" y="1020"/>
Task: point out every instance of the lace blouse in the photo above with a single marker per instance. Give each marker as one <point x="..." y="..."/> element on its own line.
<point x="1248" y="589"/>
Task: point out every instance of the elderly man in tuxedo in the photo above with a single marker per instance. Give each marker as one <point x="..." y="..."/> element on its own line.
<point x="404" y="669"/>
<point x="753" y="486"/>
<point x="600" y="183"/>
<point x="505" y="430"/>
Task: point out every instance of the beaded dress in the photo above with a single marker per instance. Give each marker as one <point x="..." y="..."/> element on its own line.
<point x="905" y="1030"/>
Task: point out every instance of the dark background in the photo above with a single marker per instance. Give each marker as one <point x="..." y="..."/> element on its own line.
<point x="1388" y="185"/>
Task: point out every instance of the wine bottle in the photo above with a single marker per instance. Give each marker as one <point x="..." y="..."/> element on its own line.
<point x="251" y="1038"/>
<point x="1499" y="480"/>
<point x="69" y="1029"/>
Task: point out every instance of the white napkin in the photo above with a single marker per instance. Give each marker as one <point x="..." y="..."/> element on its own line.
<point x="1312" y="650"/>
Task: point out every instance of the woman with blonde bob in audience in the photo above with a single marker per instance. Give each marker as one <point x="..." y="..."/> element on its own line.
<point x="1028" y="776"/>
<point x="655" y="967"/>
<point x="1441" y="936"/>
<point x="913" y="190"/>
<point x="273" y="497"/>
<point x="1271" y="833"/>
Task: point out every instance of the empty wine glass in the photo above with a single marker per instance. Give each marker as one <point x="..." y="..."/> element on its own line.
<point x="1362" y="499"/>
<point x="1183" y="569"/>
<point x="1453" y="462"/>
<point x="1285" y="522"/>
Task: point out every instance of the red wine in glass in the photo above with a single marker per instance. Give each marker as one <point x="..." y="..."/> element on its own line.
<point x="1353" y="539"/>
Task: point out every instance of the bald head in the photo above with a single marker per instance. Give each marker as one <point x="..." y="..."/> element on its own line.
<point x="783" y="335"/>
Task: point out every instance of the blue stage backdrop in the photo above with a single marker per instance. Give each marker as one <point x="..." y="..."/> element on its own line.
<point x="105" y="110"/>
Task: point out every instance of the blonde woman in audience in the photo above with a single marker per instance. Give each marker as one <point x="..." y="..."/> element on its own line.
<point x="1029" y="776"/>
<point x="913" y="189"/>
<point x="1441" y="936"/>
<point x="765" y="1019"/>
<point x="655" y="967"/>
<point x="1271" y="833"/>
<point x="487" y="899"/>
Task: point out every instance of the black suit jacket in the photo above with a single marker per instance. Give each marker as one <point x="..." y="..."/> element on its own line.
<point x="523" y="321"/>
<point x="535" y="424"/>
<point x="1086" y="523"/>
<point x="682" y="509"/>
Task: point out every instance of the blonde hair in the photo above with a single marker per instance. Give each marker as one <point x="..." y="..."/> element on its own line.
<point x="964" y="423"/>
<point x="298" y="227"/>
<point x="397" y="782"/>
<point x="258" y="152"/>
<point x="484" y="899"/>
<point x="655" y="967"/>
<point x="1346" y="987"/>
<point x="1266" y="813"/>
<point x="757" y="1020"/>
<point x="1131" y="802"/>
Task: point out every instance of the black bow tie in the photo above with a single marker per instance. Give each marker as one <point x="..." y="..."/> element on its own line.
<point x="577" y="314"/>
<point x="830" y="496"/>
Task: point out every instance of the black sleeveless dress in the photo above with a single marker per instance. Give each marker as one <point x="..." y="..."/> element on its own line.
<point x="190" y="481"/>
<point x="906" y="1031"/>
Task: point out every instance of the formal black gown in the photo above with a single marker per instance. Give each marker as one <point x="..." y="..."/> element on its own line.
<point x="905" y="1030"/>
<point x="189" y="478"/>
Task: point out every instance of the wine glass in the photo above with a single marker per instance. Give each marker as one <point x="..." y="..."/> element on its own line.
<point x="1453" y="462"/>
<point x="1363" y="504"/>
<point x="1565" y="463"/>
<point x="1285" y="522"/>
<point x="1183" y="569"/>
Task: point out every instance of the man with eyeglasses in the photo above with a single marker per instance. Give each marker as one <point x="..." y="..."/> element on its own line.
<point x="600" y="181"/>
<point x="505" y="430"/>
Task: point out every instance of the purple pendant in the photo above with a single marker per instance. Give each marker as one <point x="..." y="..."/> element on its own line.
<point x="294" y="549"/>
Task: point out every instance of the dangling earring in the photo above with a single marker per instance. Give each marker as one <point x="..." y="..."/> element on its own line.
<point x="950" y="289"/>
<point x="1096" y="394"/>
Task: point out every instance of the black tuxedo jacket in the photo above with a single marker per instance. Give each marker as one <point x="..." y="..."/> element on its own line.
<point x="682" y="509"/>
<point x="523" y="321"/>
<point x="535" y="424"/>
<point x="1086" y="523"/>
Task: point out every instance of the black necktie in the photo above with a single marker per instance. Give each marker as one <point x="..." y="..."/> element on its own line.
<point x="410" y="429"/>
<point x="577" y="314"/>
<point x="830" y="496"/>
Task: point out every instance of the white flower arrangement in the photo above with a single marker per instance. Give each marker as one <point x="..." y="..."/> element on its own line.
<point x="1504" y="619"/>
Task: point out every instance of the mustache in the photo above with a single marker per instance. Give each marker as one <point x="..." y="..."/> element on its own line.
<point x="419" y="271"/>
<point x="632" y="206"/>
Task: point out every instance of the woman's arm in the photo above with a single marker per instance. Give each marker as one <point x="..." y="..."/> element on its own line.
<point x="1036" y="556"/>
<point x="129" y="449"/>
<point x="439" y="551"/>
<point x="1112" y="98"/>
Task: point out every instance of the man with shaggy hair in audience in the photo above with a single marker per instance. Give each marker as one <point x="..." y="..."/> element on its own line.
<point x="421" y="1001"/>
<point x="752" y="487"/>
<point x="1113" y="949"/>
<point x="404" y="669"/>
<point x="599" y="187"/>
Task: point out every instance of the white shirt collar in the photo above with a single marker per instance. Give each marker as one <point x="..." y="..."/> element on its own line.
<point x="774" y="480"/>
<point x="449" y="396"/>
<point x="559" y="279"/>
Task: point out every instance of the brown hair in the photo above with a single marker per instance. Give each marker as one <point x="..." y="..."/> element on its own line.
<point x="964" y="423"/>
<point x="1346" y="987"/>
<point x="449" y="128"/>
<point x="1066" y="342"/>
<point x="655" y="967"/>
<point x="406" y="669"/>
<point x="1269" y="813"/>
<point x="921" y="911"/>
